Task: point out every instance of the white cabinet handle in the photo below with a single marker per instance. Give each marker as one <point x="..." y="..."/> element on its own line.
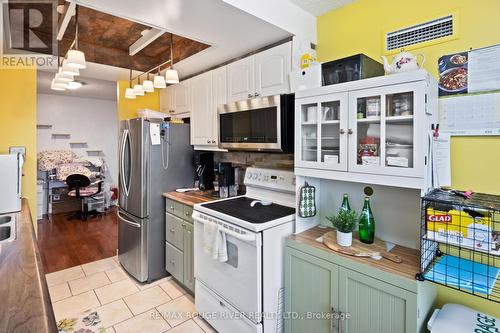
<point x="172" y="230"/>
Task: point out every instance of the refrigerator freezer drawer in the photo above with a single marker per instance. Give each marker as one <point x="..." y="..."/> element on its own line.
<point x="132" y="245"/>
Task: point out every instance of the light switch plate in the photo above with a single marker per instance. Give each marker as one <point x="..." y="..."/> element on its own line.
<point x="18" y="150"/>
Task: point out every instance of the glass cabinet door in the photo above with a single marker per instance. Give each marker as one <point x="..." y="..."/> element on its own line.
<point x="322" y="126"/>
<point x="309" y="132"/>
<point x="382" y="130"/>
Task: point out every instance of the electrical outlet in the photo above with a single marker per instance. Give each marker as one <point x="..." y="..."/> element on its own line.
<point x="18" y="150"/>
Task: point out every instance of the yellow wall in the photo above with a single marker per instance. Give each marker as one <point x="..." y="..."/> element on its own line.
<point x="359" y="28"/>
<point x="18" y="122"/>
<point x="127" y="108"/>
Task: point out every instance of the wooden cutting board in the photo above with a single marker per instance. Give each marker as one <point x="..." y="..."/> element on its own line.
<point x="359" y="249"/>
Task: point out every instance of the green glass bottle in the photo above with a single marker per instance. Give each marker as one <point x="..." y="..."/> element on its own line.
<point x="345" y="203"/>
<point x="366" y="224"/>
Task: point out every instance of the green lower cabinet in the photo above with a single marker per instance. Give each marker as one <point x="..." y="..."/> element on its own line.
<point x="371" y="305"/>
<point x="311" y="287"/>
<point x="322" y="296"/>
<point x="188" y="256"/>
<point x="179" y="246"/>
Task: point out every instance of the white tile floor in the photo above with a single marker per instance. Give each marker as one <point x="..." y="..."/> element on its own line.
<point x="123" y="304"/>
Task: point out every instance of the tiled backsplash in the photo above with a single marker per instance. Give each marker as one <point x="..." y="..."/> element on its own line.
<point x="260" y="160"/>
<point x="242" y="160"/>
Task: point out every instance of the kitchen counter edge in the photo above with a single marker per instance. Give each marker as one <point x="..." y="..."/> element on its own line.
<point x="26" y="305"/>
<point x="191" y="198"/>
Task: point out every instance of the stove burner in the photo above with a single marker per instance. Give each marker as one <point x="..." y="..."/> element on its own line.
<point x="240" y="208"/>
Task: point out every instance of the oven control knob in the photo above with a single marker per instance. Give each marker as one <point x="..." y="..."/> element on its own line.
<point x="254" y="175"/>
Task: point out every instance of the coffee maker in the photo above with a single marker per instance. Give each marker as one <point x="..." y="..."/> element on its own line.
<point x="205" y="174"/>
<point x="225" y="176"/>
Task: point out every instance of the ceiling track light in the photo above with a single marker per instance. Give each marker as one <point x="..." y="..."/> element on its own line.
<point x="148" y="85"/>
<point x="138" y="89"/>
<point x="73" y="85"/>
<point x="159" y="81"/>
<point x="171" y="75"/>
<point x="57" y="85"/>
<point x="129" y="92"/>
<point x="75" y="57"/>
<point x="70" y="66"/>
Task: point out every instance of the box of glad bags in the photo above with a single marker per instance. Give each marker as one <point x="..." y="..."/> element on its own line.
<point x="474" y="229"/>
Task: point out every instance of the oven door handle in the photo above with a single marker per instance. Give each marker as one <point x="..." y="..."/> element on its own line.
<point x="249" y="237"/>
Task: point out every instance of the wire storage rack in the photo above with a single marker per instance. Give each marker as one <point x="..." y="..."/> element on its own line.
<point x="460" y="242"/>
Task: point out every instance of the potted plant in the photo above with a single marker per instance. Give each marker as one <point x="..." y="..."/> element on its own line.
<point x="345" y="223"/>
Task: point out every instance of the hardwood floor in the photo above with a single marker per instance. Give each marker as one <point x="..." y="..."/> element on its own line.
<point x="65" y="244"/>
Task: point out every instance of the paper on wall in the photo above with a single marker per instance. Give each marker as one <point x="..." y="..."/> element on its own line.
<point x="484" y="69"/>
<point x="470" y="115"/>
<point x="441" y="164"/>
<point x="154" y="133"/>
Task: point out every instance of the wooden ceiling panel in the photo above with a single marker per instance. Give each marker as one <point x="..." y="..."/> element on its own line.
<point x="105" y="39"/>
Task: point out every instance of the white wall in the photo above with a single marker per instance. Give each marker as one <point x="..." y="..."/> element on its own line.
<point x="94" y="121"/>
<point x="396" y="210"/>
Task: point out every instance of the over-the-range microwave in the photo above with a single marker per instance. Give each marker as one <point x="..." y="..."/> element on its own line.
<point x="258" y="124"/>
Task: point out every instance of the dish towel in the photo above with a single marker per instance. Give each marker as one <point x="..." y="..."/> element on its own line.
<point x="214" y="242"/>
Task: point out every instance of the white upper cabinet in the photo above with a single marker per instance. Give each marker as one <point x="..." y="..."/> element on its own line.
<point x="263" y="74"/>
<point x="202" y="110"/>
<point x="166" y="100"/>
<point x="241" y="79"/>
<point x="182" y="97"/>
<point x="372" y="131"/>
<point x="272" y="70"/>
<point x="219" y="81"/>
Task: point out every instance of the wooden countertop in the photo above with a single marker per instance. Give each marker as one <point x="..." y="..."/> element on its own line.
<point x="24" y="295"/>
<point x="191" y="198"/>
<point x="408" y="268"/>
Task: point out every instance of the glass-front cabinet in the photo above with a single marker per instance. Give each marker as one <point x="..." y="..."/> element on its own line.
<point x="383" y="130"/>
<point x="374" y="133"/>
<point x="322" y="137"/>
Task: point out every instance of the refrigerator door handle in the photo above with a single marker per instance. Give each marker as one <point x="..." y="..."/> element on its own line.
<point x="122" y="164"/>
<point x="134" y="224"/>
<point x="19" y="166"/>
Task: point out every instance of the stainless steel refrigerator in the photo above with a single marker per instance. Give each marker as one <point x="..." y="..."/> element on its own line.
<point x="154" y="157"/>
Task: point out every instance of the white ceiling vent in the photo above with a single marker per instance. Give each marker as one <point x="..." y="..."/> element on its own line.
<point x="423" y="32"/>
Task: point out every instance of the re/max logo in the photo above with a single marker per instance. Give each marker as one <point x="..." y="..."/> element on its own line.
<point x="445" y="218"/>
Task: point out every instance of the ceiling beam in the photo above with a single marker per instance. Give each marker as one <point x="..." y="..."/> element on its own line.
<point x="69" y="11"/>
<point x="147" y="38"/>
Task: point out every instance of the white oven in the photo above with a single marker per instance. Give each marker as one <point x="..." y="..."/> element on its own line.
<point x="245" y="293"/>
<point x="239" y="279"/>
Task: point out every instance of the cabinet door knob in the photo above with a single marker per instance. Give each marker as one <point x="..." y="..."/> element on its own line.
<point x="256" y="94"/>
<point x="350" y="131"/>
<point x="171" y="207"/>
<point x="250" y="95"/>
<point x="213" y="141"/>
<point x="342" y="131"/>
<point x="172" y="230"/>
<point x="208" y="141"/>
